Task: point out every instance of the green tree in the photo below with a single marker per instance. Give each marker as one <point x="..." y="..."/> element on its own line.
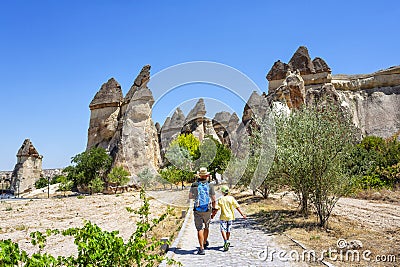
<point x="162" y="181"/>
<point x="43" y="182"/>
<point x="261" y="145"/>
<point x="190" y="142"/>
<point x="234" y="171"/>
<point x="119" y="175"/>
<point x="146" y="178"/>
<point x="89" y="166"/>
<point x="312" y="146"/>
<point x="179" y="157"/>
<point x="96" y="185"/>
<point x="213" y="155"/>
<point x="373" y="161"/>
<point x="172" y="175"/>
<point x="182" y="153"/>
<point x="64" y="184"/>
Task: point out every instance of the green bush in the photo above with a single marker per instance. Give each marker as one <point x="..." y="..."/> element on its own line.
<point x="375" y="163"/>
<point x="42" y="182"/>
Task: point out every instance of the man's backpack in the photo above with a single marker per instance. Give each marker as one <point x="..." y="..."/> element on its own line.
<point x="202" y="202"/>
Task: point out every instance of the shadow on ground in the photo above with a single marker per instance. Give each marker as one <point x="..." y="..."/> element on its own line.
<point x="274" y="219"/>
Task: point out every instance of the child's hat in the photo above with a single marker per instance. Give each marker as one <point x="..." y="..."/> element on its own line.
<point x="225" y="189"/>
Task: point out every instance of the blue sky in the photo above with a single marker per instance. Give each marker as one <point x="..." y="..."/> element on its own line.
<point x="55" y="55"/>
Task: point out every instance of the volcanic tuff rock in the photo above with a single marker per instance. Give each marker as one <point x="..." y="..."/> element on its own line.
<point x="314" y="71"/>
<point x="220" y="123"/>
<point x="372" y="99"/>
<point x="124" y="125"/>
<point x="132" y="140"/>
<point x="229" y="135"/>
<point x="256" y="106"/>
<point x="301" y="61"/>
<point x="105" y="109"/>
<point x="28" y="168"/>
<point x="195" y="119"/>
<point x="171" y="128"/>
<point x="291" y="92"/>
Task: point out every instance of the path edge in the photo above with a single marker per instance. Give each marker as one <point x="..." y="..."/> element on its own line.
<point x="174" y="245"/>
<point x="326" y="263"/>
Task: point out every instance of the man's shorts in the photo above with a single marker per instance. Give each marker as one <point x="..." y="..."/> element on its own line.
<point x="225" y="226"/>
<point x="201" y="218"/>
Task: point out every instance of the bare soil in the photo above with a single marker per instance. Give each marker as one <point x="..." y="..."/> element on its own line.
<point x="21" y="217"/>
<point x="375" y="223"/>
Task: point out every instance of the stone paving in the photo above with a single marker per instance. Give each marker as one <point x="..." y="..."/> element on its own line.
<point x="249" y="246"/>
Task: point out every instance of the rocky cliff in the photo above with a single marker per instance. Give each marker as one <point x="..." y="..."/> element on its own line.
<point x="123" y="126"/>
<point x="372" y="99"/>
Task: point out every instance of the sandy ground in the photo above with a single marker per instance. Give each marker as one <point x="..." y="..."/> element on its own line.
<point x="21" y="217"/>
<point x="370" y="213"/>
<point x="377" y="215"/>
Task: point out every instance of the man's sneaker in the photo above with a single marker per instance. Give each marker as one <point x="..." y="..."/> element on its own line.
<point x="206" y="244"/>
<point x="201" y="252"/>
<point x="226" y="246"/>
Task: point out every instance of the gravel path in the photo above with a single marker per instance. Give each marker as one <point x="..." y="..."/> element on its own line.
<point x="248" y="246"/>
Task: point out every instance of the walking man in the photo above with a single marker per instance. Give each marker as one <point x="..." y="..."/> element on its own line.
<point x="204" y="202"/>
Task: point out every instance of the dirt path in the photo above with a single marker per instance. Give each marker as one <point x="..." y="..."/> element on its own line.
<point x="375" y="214"/>
<point x="370" y="213"/>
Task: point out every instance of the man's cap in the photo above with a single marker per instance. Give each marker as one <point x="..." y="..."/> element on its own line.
<point x="203" y="172"/>
<point x="225" y="189"/>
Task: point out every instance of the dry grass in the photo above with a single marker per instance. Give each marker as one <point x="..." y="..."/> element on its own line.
<point x="381" y="194"/>
<point x="281" y="216"/>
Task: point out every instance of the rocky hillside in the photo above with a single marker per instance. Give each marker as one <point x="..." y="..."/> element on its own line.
<point x="124" y="127"/>
<point x="372" y="99"/>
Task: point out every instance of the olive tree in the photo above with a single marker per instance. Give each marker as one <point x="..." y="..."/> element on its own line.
<point x="119" y="175"/>
<point x="312" y="147"/>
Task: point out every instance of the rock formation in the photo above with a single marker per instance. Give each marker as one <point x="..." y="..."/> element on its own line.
<point x="372" y="99"/>
<point x="28" y="168"/>
<point x="313" y="72"/>
<point x="292" y="91"/>
<point x="197" y="124"/>
<point x="105" y="109"/>
<point x="230" y="133"/>
<point x="220" y="123"/>
<point x="171" y="128"/>
<point x="123" y="126"/>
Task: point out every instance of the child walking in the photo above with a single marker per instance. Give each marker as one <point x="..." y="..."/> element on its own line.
<point x="227" y="204"/>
